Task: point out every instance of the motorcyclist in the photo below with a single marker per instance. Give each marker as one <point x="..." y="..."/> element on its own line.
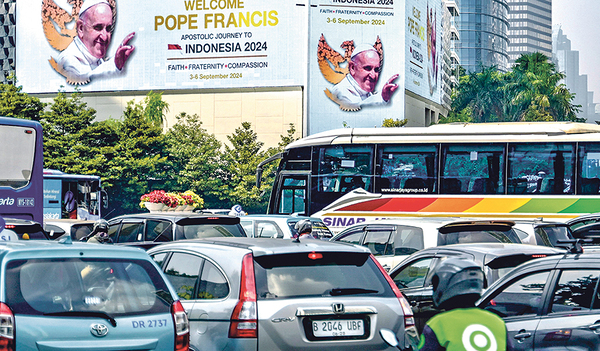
<point x="99" y="233"/>
<point x="457" y="284"/>
<point x="304" y="229"/>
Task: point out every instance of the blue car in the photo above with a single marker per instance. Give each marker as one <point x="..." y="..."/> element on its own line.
<point x="59" y="295"/>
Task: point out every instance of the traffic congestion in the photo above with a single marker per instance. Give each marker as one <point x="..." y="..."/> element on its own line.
<point x="487" y="273"/>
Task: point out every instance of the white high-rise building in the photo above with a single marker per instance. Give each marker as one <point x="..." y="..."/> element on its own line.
<point x="530" y="28"/>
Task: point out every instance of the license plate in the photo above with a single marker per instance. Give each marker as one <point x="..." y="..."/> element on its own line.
<point x="337" y="327"/>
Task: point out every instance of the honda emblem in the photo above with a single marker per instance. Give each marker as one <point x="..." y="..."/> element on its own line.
<point x="338" y="308"/>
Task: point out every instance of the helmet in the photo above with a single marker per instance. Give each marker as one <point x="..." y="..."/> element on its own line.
<point x="100" y="225"/>
<point x="303" y="227"/>
<point x="456" y="277"/>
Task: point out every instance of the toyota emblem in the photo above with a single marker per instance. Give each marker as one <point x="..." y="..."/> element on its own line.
<point x="99" y="330"/>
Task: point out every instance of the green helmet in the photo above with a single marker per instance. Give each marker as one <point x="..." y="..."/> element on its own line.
<point x="456" y="277"/>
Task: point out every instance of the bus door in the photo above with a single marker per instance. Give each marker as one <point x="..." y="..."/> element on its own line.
<point x="291" y="192"/>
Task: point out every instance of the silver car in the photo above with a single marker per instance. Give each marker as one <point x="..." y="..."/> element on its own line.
<point x="265" y="294"/>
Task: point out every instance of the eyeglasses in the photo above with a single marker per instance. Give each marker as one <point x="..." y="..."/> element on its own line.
<point x="99" y="27"/>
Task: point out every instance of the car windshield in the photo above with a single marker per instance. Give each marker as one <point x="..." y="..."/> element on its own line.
<point x="318" y="274"/>
<point x="197" y="231"/>
<point x="114" y="287"/>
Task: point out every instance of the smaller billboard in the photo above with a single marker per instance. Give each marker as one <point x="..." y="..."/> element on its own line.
<point x="424" y="48"/>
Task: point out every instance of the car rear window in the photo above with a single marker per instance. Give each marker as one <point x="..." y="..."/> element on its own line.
<point x="550" y="235"/>
<point x="34" y="231"/>
<point x="479" y="236"/>
<point x="319" y="229"/>
<point x="116" y="287"/>
<point x="198" y="231"/>
<point x="318" y="274"/>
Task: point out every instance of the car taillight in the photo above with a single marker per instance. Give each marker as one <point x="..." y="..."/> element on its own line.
<point x="409" y="319"/>
<point x="182" y="327"/>
<point x="7" y="328"/>
<point x="244" y="323"/>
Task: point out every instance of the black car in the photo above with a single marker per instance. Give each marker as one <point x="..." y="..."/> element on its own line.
<point x="585" y="226"/>
<point x="413" y="275"/>
<point x="149" y="229"/>
<point x="551" y="303"/>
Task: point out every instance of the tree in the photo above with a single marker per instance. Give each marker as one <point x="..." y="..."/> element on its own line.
<point x="535" y="93"/>
<point x="15" y="103"/>
<point x="195" y="159"/>
<point x="480" y="92"/>
<point x="138" y="161"/>
<point x="242" y="159"/>
<point x="155" y="108"/>
<point x="65" y="124"/>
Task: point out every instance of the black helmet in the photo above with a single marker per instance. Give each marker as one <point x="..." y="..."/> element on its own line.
<point x="456" y="277"/>
<point x="100" y="225"/>
<point x="303" y="227"/>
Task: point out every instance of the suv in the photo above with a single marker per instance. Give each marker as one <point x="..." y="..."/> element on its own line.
<point x="59" y="295"/>
<point x="392" y="240"/>
<point x="148" y="229"/>
<point x="265" y="294"/>
<point x="281" y="226"/>
<point x="550" y="303"/>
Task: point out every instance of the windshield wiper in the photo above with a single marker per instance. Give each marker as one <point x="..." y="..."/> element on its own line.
<point x="98" y="314"/>
<point x="349" y="291"/>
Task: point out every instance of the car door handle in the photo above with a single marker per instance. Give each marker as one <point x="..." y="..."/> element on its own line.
<point x="522" y="334"/>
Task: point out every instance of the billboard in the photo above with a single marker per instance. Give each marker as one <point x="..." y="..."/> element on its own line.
<point x="157" y="44"/>
<point x="424" y="48"/>
<point x="356" y="63"/>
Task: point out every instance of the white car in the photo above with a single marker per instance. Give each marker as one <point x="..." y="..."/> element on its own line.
<point x="392" y="240"/>
<point x="281" y="226"/>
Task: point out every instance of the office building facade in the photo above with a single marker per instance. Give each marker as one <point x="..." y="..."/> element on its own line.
<point x="530" y="28"/>
<point x="483" y="29"/>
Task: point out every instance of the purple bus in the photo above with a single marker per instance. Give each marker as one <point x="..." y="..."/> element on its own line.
<point x="21" y="170"/>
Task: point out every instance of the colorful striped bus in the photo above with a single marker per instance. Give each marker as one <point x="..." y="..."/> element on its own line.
<point x="491" y="170"/>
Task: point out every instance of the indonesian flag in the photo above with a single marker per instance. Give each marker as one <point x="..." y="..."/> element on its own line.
<point x="174" y="47"/>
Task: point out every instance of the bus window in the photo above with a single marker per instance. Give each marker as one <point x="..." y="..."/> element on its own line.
<point x="541" y="168"/>
<point x="473" y="169"/>
<point x="292" y="196"/>
<point x="343" y="168"/>
<point x="588" y="179"/>
<point x="408" y="168"/>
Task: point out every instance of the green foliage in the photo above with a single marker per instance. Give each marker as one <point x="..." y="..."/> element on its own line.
<point x="393" y="123"/>
<point x="530" y="92"/>
<point x="138" y="161"/>
<point x="195" y="160"/>
<point x="155" y="108"/>
<point x="15" y="103"/>
<point x="242" y="159"/>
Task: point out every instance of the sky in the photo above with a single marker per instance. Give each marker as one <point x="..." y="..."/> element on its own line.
<point x="580" y="22"/>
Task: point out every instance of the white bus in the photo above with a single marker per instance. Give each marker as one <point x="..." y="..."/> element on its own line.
<point x="491" y="170"/>
<point x="74" y="196"/>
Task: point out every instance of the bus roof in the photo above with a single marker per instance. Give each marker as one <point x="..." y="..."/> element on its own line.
<point x="56" y="174"/>
<point x="457" y="132"/>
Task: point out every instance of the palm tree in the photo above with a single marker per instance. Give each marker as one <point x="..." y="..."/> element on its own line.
<point x="534" y="91"/>
<point x="480" y="93"/>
